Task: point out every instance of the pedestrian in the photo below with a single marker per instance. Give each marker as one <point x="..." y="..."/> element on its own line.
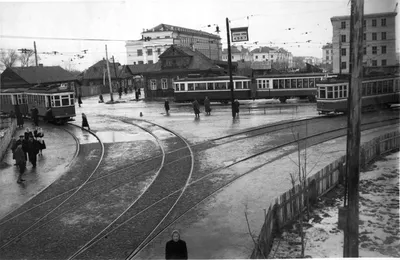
<point x="33" y="150"/>
<point x="176" y="248"/>
<point x="79" y="100"/>
<point x="23" y="143"/>
<point x="20" y="120"/>
<point x="42" y="145"/>
<point x="166" y="106"/>
<point x="101" y="100"/>
<point x="35" y="132"/>
<point x="120" y="92"/>
<point x="12" y="114"/>
<point x="21" y="162"/>
<point x="85" y="122"/>
<point x="49" y="115"/>
<point x="196" y="108"/>
<point x="126" y="90"/>
<point x="35" y="115"/>
<point x="236" y="105"/>
<point x="27" y="134"/>
<point x="207" y="106"/>
<point x="137" y="94"/>
<point x="13" y="146"/>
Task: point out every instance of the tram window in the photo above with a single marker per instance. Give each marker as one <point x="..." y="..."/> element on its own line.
<point x="245" y="84"/>
<point x="281" y="83"/>
<point x="220" y="85"/>
<point x="385" y="86"/>
<point x="287" y="83"/>
<point x="379" y="87"/>
<point x="176" y="86"/>
<point x="210" y="86"/>
<point x="293" y="85"/>
<point x="364" y="89"/>
<point x="340" y="92"/>
<point x="305" y="83"/>
<point x="57" y="102"/>
<point x="335" y="93"/>
<point x="374" y="86"/>
<point x="190" y="86"/>
<point x="330" y="92"/>
<point x="65" y="100"/>
<point x="200" y="86"/>
<point x="71" y="100"/>
<point x="238" y="85"/>
<point x="312" y="83"/>
<point x="390" y="86"/>
<point x="322" y="92"/>
<point x="259" y="83"/>
<point x="275" y="84"/>
<point x="300" y="83"/>
<point x="369" y="89"/>
<point x="182" y="86"/>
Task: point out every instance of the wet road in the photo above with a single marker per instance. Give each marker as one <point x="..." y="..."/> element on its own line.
<point x="144" y="179"/>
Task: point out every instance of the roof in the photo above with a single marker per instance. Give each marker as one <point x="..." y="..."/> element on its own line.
<point x="50" y="74"/>
<point x="166" y="27"/>
<point x="262" y="49"/>
<point x="96" y="71"/>
<point x="374" y="15"/>
<point x="327" y="46"/>
<point x="143" y="68"/>
<point x="53" y="88"/>
<point x="235" y="49"/>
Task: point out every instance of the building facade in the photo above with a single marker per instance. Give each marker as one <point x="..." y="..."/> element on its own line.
<point x="239" y="53"/>
<point x="278" y="57"/>
<point x="379" y="41"/>
<point x="327" y="53"/>
<point x="156" y="40"/>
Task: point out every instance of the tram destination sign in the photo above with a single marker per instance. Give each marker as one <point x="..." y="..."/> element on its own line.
<point x="240" y="34"/>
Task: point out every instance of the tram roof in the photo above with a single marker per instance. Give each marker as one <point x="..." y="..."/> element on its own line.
<point x="53" y="88"/>
<point x="216" y="78"/>
<point x="294" y="75"/>
<point x="13" y="91"/>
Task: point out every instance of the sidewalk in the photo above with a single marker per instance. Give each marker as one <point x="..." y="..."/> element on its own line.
<point x="60" y="150"/>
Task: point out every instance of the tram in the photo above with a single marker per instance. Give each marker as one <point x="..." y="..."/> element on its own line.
<point x="377" y="92"/>
<point x="14" y="100"/>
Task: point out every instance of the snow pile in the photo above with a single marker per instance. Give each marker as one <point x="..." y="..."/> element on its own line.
<point x="379" y="219"/>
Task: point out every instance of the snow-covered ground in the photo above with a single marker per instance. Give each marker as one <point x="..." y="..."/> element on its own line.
<point x="379" y="234"/>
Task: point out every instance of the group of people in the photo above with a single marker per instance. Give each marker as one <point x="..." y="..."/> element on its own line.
<point x="207" y="107"/>
<point x="29" y="146"/>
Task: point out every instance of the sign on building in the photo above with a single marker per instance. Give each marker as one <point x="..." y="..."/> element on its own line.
<point x="240" y="34"/>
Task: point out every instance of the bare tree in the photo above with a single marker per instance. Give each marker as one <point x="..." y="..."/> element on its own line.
<point x="8" y="58"/>
<point x="27" y="58"/>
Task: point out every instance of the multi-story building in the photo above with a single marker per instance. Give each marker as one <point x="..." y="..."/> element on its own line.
<point x="379" y="41"/>
<point x="278" y="56"/>
<point x="239" y="53"/>
<point x="156" y="40"/>
<point x="327" y="53"/>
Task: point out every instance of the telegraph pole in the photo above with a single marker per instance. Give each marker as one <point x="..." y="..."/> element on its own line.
<point x="109" y="76"/>
<point x="230" y="68"/>
<point x="115" y="70"/>
<point x="34" y="46"/>
<point x="350" y="245"/>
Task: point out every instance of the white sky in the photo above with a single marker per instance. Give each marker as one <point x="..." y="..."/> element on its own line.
<point x="124" y="20"/>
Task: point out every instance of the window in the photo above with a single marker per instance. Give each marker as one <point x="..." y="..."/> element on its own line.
<point x="390" y="86"/>
<point x="343" y="51"/>
<point x="57" y="102"/>
<point x="263" y="56"/>
<point x="139" y="52"/>
<point x="374" y="63"/>
<point x="343" y="25"/>
<point x="305" y="83"/>
<point x="220" y="85"/>
<point x="383" y="22"/>
<point x="383" y="62"/>
<point x="256" y="56"/>
<point x="164" y="83"/>
<point x="364" y="36"/>
<point x="374" y="36"/>
<point x="272" y="56"/>
<point x="293" y="83"/>
<point x="275" y="84"/>
<point x="200" y="86"/>
<point x="327" y="52"/>
<point x="344" y="65"/>
<point x="299" y="83"/>
<point x="385" y="86"/>
<point x="158" y="51"/>
<point x="373" y="22"/>
<point x="383" y="49"/>
<point x="343" y="38"/>
<point x="365" y="23"/>
<point x="383" y="35"/>
<point x="330" y="92"/>
<point x="210" y="86"/>
<point x="176" y="86"/>
<point x="238" y="85"/>
<point x="281" y="83"/>
<point x="190" y="86"/>
<point x="182" y="86"/>
<point x="365" y="50"/>
<point x="379" y="87"/>
<point x="364" y="89"/>
<point x="322" y="92"/>
<point x="336" y="92"/>
<point x="140" y="62"/>
<point x="153" y="84"/>
<point x="374" y="49"/>
<point x="64" y="100"/>
<point x="287" y="83"/>
<point x="149" y="51"/>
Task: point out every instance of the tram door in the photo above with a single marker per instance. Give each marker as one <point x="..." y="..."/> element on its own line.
<point x="48" y="101"/>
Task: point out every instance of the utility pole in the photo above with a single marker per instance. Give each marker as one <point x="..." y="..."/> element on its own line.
<point x="109" y="76"/>
<point x="34" y="46"/>
<point x="115" y="71"/>
<point x="350" y="245"/>
<point x="230" y="68"/>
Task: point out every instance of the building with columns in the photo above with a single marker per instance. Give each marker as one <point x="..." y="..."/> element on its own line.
<point x="158" y="39"/>
<point x="379" y="41"/>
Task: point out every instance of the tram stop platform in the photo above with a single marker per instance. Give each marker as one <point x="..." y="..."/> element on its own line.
<point x="60" y="150"/>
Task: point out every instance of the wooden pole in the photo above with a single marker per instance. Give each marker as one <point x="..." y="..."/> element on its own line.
<point x="230" y="68"/>
<point x="115" y="71"/>
<point x="36" y="60"/>
<point x="109" y="76"/>
<point x="353" y="128"/>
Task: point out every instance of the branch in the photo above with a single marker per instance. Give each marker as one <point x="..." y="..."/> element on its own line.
<point x="250" y="233"/>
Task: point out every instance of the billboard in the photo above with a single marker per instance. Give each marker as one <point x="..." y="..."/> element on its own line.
<point x="240" y="34"/>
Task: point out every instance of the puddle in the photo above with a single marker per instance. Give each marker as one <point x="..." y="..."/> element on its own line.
<point x="118" y="136"/>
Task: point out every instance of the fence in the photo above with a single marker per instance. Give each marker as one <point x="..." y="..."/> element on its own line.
<point x="8" y="126"/>
<point x="286" y="207"/>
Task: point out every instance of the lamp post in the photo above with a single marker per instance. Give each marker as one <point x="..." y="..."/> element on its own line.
<point x="230" y="68"/>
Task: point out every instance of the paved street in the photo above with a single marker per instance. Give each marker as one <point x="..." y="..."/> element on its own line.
<point x="127" y="190"/>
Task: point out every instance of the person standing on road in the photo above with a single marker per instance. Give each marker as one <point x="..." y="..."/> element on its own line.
<point x="35" y="115"/>
<point x="85" y="122"/>
<point x="21" y="162"/>
<point x="20" y="120"/>
<point x="196" y="108"/>
<point x="236" y="105"/>
<point x="13" y="146"/>
<point x="207" y="106"/>
<point x="120" y="92"/>
<point x="176" y="248"/>
<point x="101" y="100"/>
<point x="49" y="115"/>
<point x="24" y="144"/>
<point x="79" y="100"/>
<point x="166" y="106"/>
<point x="33" y="150"/>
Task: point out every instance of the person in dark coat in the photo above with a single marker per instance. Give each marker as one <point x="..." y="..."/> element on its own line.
<point x="20" y="120"/>
<point x="79" y="100"/>
<point x="33" y="150"/>
<point x="176" y="248"/>
<point x="101" y="100"/>
<point x="27" y="134"/>
<point x="120" y="92"/>
<point x="13" y="146"/>
<point x="126" y="90"/>
<point x="207" y="106"/>
<point x="23" y="143"/>
<point x="137" y="91"/>
<point x="49" y="115"/>
<point x="21" y="162"/>
<point x="196" y="108"/>
<point x="166" y="106"/>
<point x="236" y="105"/>
<point x="85" y="122"/>
<point x="35" y="115"/>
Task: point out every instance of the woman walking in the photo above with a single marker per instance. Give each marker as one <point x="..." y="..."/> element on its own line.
<point x="20" y="161"/>
<point x="196" y="108"/>
<point x="166" y="106"/>
<point x="79" y="100"/>
<point x="207" y="106"/>
<point x="85" y="122"/>
<point x="176" y="248"/>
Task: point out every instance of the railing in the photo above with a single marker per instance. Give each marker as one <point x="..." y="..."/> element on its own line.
<point x="286" y="207"/>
